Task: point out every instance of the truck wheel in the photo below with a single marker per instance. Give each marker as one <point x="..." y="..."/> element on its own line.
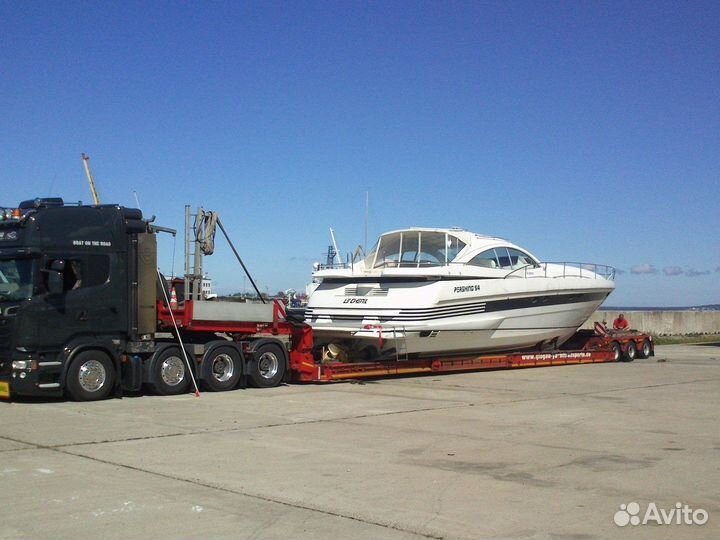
<point x="616" y="350"/>
<point x="169" y="373"/>
<point x="221" y="369"/>
<point x="268" y="367"/>
<point x="91" y="376"/>
<point x="630" y="351"/>
<point x="645" y="350"/>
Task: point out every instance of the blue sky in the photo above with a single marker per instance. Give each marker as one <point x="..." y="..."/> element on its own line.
<point x="583" y="131"/>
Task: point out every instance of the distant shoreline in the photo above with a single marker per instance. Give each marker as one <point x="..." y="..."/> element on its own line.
<point x="711" y="307"/>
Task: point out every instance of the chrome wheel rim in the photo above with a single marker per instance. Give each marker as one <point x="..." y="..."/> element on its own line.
<point x="172" y="370"/>
<point x="223" y="367"/>
<point x="92" y="376"/>
<point x="268" y="365"/>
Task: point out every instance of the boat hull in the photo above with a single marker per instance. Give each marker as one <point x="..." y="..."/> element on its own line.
<point x="453" y="316"/>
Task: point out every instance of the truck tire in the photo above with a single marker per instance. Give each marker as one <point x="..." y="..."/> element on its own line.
<point x="91" y="376"/>
<point x="616" y="350"/>
<point x="267" y="368"/>
<point x="630" y="351"/>
<point x="645" y="350"/>
<point x="168" y="373"/>
<point x="221" y="369"/>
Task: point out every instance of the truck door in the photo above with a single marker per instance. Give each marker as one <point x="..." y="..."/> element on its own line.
<point x="79" y="301"/>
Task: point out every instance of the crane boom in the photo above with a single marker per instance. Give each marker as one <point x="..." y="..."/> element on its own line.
<point x="93" y="189"/>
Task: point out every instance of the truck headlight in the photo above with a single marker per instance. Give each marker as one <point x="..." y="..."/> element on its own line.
<point x="23" y="364"/>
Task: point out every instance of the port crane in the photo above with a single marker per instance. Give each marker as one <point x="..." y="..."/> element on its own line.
<point x="91" y="180"/>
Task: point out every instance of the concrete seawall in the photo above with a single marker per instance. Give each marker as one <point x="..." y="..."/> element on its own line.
<point x="664" y="323"/>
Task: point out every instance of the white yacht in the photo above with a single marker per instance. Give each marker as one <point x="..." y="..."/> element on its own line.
<point x="425" y="291"/>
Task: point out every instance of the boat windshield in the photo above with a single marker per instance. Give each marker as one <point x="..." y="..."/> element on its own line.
<point x="414" y="249"/>
<point x="16" y="279"/>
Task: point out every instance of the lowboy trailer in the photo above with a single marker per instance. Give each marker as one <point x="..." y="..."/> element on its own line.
<point x="585" y="347"/>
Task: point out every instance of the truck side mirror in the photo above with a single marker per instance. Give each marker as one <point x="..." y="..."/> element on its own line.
<point x="55" y="282"/>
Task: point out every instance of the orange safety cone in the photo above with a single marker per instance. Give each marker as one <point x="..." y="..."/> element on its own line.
<point x="173" y="299"/>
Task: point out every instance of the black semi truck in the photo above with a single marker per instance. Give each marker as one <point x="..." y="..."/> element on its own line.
<point x="80" y="303"/>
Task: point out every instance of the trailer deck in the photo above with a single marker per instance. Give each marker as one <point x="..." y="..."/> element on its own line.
<point x="586" y="347"/>
<point x="304" y="364"/>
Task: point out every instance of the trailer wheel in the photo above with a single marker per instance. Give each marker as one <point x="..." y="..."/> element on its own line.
<point x="616" y="350"/>
<point x="268" y="367"/>
<point x="221" y="369"/>
<point x="630" y="351"/>
<point x="91" y="376"/>
<point x="169" y="373"/>
<point x="645" y="350"/>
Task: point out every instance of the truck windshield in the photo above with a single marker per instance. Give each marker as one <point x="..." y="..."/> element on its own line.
<point x="16" y="279"/>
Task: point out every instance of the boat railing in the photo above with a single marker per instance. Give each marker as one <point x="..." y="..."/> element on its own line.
<point x="564" y="270"/>
<point x="333" y="266"/>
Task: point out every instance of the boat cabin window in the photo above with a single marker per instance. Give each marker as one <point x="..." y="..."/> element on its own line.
<point x="414" y="249"/>
<point x="502" y="257"/>
<point x="519" y="258"/>
<point x="486" y="259"/>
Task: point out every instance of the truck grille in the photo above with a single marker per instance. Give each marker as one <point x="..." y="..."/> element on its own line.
<point x="5" y="329"/>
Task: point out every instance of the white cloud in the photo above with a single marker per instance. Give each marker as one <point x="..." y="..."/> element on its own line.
<point x="691" y="272"/>
<point x="673" y="271"/>
<point x="643" y="269"/>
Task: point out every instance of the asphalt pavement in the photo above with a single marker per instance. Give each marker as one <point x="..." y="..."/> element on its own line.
<point x="605" y="451"/>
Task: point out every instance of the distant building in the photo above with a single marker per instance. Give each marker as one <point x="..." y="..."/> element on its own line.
<point x="206" y="288"/>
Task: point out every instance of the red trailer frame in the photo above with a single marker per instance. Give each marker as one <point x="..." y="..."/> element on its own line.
<point x="585" y="347"/>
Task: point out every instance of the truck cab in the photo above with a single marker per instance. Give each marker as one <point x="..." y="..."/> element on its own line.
<point x="69" y="285"/>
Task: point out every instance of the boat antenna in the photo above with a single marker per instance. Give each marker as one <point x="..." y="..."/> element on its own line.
<point x="367" y="206"/>
<point x="334" y="243"/>
<point x="52" y="184"/>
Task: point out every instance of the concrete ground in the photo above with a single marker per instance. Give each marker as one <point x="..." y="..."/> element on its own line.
<point x="523" y="454"/>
